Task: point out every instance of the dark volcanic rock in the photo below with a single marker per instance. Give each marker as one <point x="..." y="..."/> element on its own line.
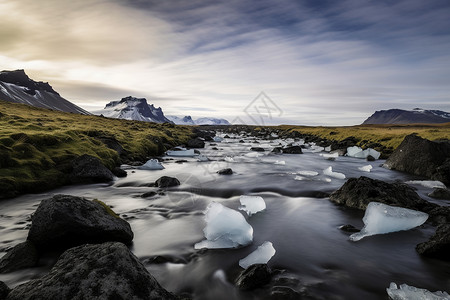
<point x="370" y="158"/>
<point x="439" y="244"/>
<point x="440" y="193"/>
<point x="23" y="255"/>
<point x="254" y="276"/>
<point x="65" y="221"/>
<point x="277" y="150"/>
<point x="149" y="194"/>
<point x="196" y="143"/>
<point x="105" y="271"/>
<point x="4" y="290"/>
<point x="119" y="172"/>
<point x="227" y="171"/>
<point x="419" y="156"/>
<point x="284" y="293"/>
<point x="293" y="150"/>
<point x="166" y="181"/>
<point x="88" y="169"/>
<point x="358" y="192"/>
<point x="349" y="228"/>
<point x="257" y="149"/>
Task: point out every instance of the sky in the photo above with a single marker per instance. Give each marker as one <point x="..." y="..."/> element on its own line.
<point x="307" y="62"/>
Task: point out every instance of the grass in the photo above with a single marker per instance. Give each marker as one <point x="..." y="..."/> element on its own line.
<point x="38" y="145"/>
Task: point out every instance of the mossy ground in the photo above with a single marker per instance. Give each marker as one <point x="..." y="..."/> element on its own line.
<point x="38" y="145"/>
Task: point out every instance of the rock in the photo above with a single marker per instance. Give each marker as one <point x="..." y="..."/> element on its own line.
<point x="166" y="181"/>
<point x="88" y="169"/>
<point x="23" y="255"/>
<point x="257" y="149"/>
<point x="358" y="192"/>
<point x="119" y="172"/>
<point x="214" y="148"/>
<point x="440" y="193"/>
<point x="226" y="171"/>
<point x="112" y="143"/>
<point x="196" y="143"/>
<point x="105" y="271"/>
<point x="439" y="244"/>
<point x="422" y="157"/>
<point x="277" y="150"/>
<point x="284" y="293"/>
<point x="226" y="136"/>
<point x="370" y="158"/>
<point x="438" y="214"/>
<point x="149" y="194"/>
<point x="241" y="141"/>
<point x="254" y="276"/>
<point x="65" y="221"/>
<point x="4" y="290"/>
<point x="293" y="150"/>
<point x="349" y="228"/>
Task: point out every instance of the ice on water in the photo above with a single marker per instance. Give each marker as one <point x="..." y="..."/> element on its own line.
<point x="331" y="155"/>
<point x="181" y="152"/>
<point x="202" y="157"/>
<point x="225" y="228"/>
<point x="308" y="173"/>
<point x="152" y="164"/>
<point x="329" y="172"/>
<point x="428" y="183"/>
<point x="380" y="218"/>
<point x="407" y="292"/>
<point x="365" y="168"/>
<point x="280" y="162"/>
<point x="253" y="154"/>
<point x="260" y="256"/>
<point x="358" y="152"/>
<point x="252" y="204"/>
<point x="217" y="139"/>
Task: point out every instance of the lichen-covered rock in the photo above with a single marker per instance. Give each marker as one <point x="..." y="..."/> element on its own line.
<point x="65" y="221"/>
<point x="439" y="244"/>
<point x="88" y="169"/>
<point x="23" y="255"/>
<point x="104" y="271"/>
<point x="166" y="181"/>
<point x="254" y="277"/>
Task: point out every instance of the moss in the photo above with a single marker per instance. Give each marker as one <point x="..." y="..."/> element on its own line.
<point x="107" y="208"/>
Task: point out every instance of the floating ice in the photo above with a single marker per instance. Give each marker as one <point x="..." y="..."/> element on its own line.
<point x="217" y="139"/>
<point x="308" y="173"/>
<point x="252" y="204"/>
<point x="316" y="148"/>
<point x="225" y="228"/>
<point x="181" y="152"/>
<point x="253" y="154"/>
<point x="229" y="159"/>
<point x="280" y="162"/>
<point x="406" y="292"/>
<point x="381" y="218"/>
<point x="260" y="256"/>
<point x="331" y="155"/>
<point x="202" y="157"/>
<point x="152" y="164"/>
<point x="428" y="183"/>
<point x="300" y="178"/>
<point x="328" y="149"/>
<point x="360" y="153"/>
<point x="329" y="172"/>
<point x="365" y="168"/>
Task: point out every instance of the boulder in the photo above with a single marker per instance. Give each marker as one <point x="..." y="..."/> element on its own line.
<point x="166" y="181"/>
<point x="254" y="277"/>
<point x="196" y="143"/>
<point x="227" y="171"/>
<point x="23" y="255"/>
<point x="105" y="271"/>
<point x="257" y="149"/>
<point x="65" y="221"/>
<point x="293" y="150"/>
<point x="439" y="244"/>
<point x="284" y="293"/>
<point x="440" y="193"/>
<point x="4" y="290"/>
<point x="349" y="228"/>
<point x="119" y="172"/>
<point x="422" y="157"/>
<point x="89" y="169"/>
<point x="277" y="150"/>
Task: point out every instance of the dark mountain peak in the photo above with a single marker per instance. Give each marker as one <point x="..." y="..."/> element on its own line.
<point x="400" y="116"/>
<point x="187" y="119"/>
<point x="20" y="78"/>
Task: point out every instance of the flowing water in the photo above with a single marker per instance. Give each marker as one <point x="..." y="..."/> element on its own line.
<point x="312" y="254"/>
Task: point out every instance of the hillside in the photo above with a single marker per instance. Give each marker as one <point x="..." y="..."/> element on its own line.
<point x="37" y="145"/>
<point x="415" y="116"/>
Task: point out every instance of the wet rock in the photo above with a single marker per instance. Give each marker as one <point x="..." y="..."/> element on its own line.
<point x="370" y="158"/>
<point x="88" y="169"/>
<point x="254" y="277"/>
<point x="422" y="157"/>
<point x="284" y="293"/>
<point x="166" y="181"/>
<point x="105" y="271"/>
<point x="196" y="143"/>
<point x="65" y="221"/>
<point x="277" y="150"/>
<point x="440" y="193"/>
<point x="241" y="141"/>
<point x="358" y="192"/>
<point x="214" y="148"/>
<point x="349" y="228"/>
<point x="4" y="290"/>
<point x="226" y="171"/>
<point x="149" y="194"/>
<point x="23" y="255"/>
<point x="439" y="244"/>
<point x="119" y="172"/>
<point x="257" y="149"/>
<point x="438" y="214"/>
<point x="293" y="150"/>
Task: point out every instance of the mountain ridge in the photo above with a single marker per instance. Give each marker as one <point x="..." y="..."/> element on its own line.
<point x="401" y="116"/>
<point x="187" y="120"/>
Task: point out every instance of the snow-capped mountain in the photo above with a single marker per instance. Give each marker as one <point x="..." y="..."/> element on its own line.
<point x="131" y="108"/>
<point x="400" y="116"/>
<point x="187" y="120"/>
<point x="16" y="86"/>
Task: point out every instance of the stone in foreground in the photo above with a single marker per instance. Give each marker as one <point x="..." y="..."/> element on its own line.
<point x="23" y="255"/>
<point x="254" y="277"/>
<point x="89" y="169"/>
<point x="439" y="244"/>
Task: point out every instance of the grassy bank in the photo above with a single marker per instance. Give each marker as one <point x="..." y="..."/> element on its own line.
<point x="38" y="145"/>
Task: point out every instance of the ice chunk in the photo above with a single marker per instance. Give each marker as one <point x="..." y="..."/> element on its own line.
<point x="329" y="172"/>
<point x="380" y="218"/>
<point x="308" y="173"/>
<point x="316" y="148"/>
<point x="298" y="177"/>
<point x="280" y="162"/>
<point x="202" y="157"/>
<point x="229" y="159"/>
<point x="260" y="256"/>
<point x="253" y="154"/>
<point x="372" y="152"/>
<point x="406" y="292"/>
<point x="352" y="151"/>
<point x="358" y="152"/>
<point x="225" y="228"/>
<point x="152" y="164"/>
<point x="331" y="155"/>
<point x="428" y="183"/>
<point x="252" y="204"/>
<point x="217" y="139"/>
<point x="183" y="152"/>
<point x="328" y="149"/>
<point x="365" y="168"/>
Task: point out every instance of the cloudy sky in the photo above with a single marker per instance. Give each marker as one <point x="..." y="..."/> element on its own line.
<point x="318" y="62"/>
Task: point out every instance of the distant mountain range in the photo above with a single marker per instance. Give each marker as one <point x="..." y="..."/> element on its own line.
<point x="16" y="86"/>
<point x="187" y="120"/>
<point x="400" y="116"/>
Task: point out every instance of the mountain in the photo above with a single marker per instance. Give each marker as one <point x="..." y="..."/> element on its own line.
<point x="16" y="86"/>
<point x="131" y="108"/>
<point x="187" y="120"/>
<point x="400" y="116"/>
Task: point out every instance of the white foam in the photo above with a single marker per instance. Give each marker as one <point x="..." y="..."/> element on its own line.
<point x="252" y="204"/>
<point x="260" y="256"/>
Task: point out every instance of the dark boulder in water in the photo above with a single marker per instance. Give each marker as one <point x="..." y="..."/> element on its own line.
<point x="119" y="172"/>
<point x="166" y="181"/>
<point x="65" y="221"/>
<point x="23" y="255"/>
<point x="257" y="149"/>
<point x="439" y="244"/>
<point x="440" y="193"/>
<point x="254" y="277"/>
<point x="196" y="143"/>
<point x="105" y="271"/>
<point x="227" y="171"/>
<point x="89" y="169"/>
<point x="293" y="150"/>
<point x="422" y="157"/>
